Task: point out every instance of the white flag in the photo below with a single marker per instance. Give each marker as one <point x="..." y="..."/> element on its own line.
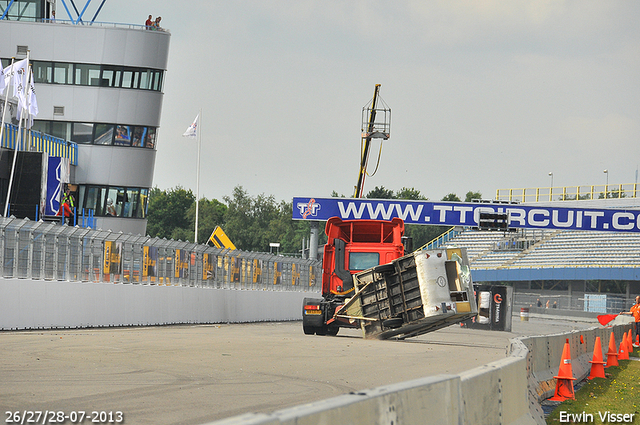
<point x="32" y="107"/>
<point x="33" y="102"/>
<point x="18" y="72"/>
<point x="192" y="131"/>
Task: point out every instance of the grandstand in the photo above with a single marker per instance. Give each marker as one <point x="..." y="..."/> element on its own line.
<point x="568" y="266"/>
<point x="540" y="249"/>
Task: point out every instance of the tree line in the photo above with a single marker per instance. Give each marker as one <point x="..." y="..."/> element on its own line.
<point x="253" y="222"/>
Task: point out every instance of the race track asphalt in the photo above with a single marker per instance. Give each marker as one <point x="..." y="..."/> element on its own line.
<point x="193" y="374"/>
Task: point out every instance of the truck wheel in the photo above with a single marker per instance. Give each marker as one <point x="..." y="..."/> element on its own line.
<point x="333" y="330"/>
<point x="312" y="323"/>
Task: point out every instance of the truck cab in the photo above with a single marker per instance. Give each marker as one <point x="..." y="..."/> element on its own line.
<point x="352" y="246"/>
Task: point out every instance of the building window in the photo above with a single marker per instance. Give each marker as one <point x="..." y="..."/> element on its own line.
<point x="63" y="73"/>
<point x="123" y="136"/>
<point x="111" y="76"/>
<point x="87" y="75"/>
<point x="109" y="201"/>
<point x="60" y="129"/>
<point x="83" y="74"/>
<point x="104" y="134"/>
<point x="82" y="133"/>
<point x="100" y="134"/>
<point x="141" y="212"/>
<point x="93" y="198"/>
<point x="116" y="197"/>
<point x="42" y="72"/>
<point x="130" y="78"/>
<point x="150" y="138"/>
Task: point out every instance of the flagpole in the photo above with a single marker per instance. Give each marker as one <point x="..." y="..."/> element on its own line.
<point x="199" y="130"/>
<point x="15" y="153"/>
<point x="27" y="109"/>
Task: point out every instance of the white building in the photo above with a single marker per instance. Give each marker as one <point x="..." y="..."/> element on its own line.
<point x="98" y="85"/>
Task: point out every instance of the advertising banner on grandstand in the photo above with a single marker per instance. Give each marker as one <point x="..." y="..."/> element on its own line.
<point x="466" y="214"/>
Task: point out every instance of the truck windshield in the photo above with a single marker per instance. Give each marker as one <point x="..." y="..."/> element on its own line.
<point x="363" y="260"/>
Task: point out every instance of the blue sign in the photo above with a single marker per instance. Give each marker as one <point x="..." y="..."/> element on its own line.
<point x="467" y="214"/>
<point x="54" y="185"/>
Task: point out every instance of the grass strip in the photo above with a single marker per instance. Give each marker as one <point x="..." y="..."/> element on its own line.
<point x="611" y="400"/>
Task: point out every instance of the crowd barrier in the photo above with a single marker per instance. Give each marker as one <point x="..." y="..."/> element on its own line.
<point x="504" y="392"/>
<point x="58" y="276"/>
<point x="48" y="251"/>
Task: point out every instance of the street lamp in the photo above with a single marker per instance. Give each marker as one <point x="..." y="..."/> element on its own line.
<point x="551" y="186"/>
<point x="606" y="188"/>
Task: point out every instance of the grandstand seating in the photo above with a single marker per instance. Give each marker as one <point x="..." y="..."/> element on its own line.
<point x="568" y="248"/>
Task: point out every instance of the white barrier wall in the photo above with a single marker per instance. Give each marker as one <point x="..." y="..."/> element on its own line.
<point x="36" y="304"/>
<point x="506" y="392"/>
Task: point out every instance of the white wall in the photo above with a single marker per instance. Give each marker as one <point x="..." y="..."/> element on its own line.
<point x="32" y="304"/>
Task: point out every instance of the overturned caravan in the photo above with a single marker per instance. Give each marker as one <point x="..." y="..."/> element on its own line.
<point x="415" y="294"/>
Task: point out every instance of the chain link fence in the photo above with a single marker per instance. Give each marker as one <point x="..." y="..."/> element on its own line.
<point x="48" y="251"/>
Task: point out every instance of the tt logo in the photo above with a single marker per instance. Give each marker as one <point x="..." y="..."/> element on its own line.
<point x="308" y="209"/>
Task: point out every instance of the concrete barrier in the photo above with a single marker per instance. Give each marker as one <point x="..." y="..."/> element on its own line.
<point x="507" y="391"/>
<point x="37" y="304"/>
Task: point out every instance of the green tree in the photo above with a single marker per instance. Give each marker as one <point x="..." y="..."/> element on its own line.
<point x="470" y="196"/>
<point x="211" y="214"/>
<point x="248" y="220"/>
<point x="380" y="193"/>
<point x="451" y="197"/>
<point x="411" y="194"/>
<point x="167" y="211"/>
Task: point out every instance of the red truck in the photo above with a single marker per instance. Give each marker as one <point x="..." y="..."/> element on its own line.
<point x="370" y="282"/>
<point x="352" y="246"/>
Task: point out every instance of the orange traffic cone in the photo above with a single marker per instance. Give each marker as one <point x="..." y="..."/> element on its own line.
<point x="564" y="384"/>
<point x="612" y="354"/>
<point x="637" y="340"/>
<point x="623" y="352"/>
<point x="629" y="342"/>
<point x="597" y="365"/>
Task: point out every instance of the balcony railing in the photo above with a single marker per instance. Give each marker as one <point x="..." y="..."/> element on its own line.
<point x="35" y="141"/>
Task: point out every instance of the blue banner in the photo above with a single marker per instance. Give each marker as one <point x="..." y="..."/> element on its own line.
<point x="467" y="214"/>
<point x="54" y="185"/>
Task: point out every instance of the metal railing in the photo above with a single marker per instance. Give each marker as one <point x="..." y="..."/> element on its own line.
<point x="442" y="239"/>
<point x="47" y="251"/>
<point x="103" y="24"/>
<point x="569" y="193"/>
<point x="35" y="141"/>
<point x="584" y="301"/>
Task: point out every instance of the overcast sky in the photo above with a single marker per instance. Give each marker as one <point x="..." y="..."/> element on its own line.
<point x="484" y="95"/>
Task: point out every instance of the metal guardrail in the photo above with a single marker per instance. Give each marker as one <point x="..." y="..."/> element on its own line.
<point x="442" y="239"/>
<point x="36" y="141"/>
<point x="569" y="193"/>
<point x="48" y="251"/>
<point x="102" y="24"/>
